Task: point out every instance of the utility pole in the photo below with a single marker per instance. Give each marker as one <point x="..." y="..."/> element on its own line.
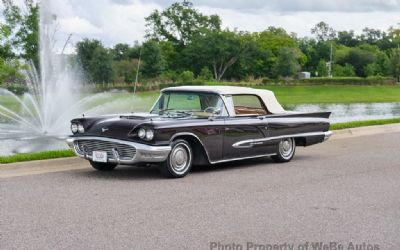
<point x="66" y="43"/>
<point x="137" y="70"/>
<point x="330" y="75"/>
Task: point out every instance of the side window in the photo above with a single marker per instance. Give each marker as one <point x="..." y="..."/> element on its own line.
<point x="248" y="105"/>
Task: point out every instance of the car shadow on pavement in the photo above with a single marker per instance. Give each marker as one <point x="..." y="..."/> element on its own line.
<point x="122" y="173"/>
<point x="234" y="165"/>
<point x="152" y="173"/>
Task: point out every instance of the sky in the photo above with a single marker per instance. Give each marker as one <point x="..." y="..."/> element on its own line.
<point x="122" y="21"/>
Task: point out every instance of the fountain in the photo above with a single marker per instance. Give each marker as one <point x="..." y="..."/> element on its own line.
<point x="41" y="118"/>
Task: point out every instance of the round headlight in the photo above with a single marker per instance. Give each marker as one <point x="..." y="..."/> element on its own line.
<point x="81" y="129"/>
<point x="149" y="134"/>
<point x="142" y="133"/>
<point x="74" y="128"/>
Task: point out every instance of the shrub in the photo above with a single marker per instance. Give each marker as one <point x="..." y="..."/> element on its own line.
<point x="169" y="76"/>
<point x="186" y="76"/>
<point x="17" y="89"/>
<point x="375" y="80"/>
<point x="205" y="74"/>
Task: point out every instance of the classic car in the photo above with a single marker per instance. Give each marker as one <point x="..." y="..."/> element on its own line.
<point x="198" y="125"/>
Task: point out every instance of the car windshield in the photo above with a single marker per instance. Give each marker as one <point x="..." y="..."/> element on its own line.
<point x="181" y="104"/>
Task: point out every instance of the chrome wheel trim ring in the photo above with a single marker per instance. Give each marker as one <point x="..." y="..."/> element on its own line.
<point x="180" y="158"/>
<point x="286" y="148"/>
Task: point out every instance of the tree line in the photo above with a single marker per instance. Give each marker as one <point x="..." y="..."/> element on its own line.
<point x="183" y="44"/>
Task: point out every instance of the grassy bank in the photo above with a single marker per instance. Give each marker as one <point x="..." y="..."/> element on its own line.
<point x="69" y="153"/>
<point x="290" y="95"/>
<point x="287" y="95"/>
<point x="36" y="156"/>
<point x="357" y="124"/>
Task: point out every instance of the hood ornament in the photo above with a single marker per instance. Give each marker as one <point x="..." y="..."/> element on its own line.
<point x="104" y="129"/>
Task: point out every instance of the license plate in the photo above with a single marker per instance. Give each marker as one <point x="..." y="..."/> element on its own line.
<point x="99" y="156"/>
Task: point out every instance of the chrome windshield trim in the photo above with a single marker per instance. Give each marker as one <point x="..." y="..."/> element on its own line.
<point x="253" y="142"/>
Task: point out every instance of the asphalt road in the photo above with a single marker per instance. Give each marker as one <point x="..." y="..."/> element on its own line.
<point x="344" y="191"/>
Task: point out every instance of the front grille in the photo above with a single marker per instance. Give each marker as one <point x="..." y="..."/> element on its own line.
<point x="125" y="152"/>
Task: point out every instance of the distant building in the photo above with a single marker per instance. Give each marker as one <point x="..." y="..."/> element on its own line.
<point x="304" y="75"/>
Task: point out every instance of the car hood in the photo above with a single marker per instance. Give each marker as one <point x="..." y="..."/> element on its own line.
<point x="117" y="126"/>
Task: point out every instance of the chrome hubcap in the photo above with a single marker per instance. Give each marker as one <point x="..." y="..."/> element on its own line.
<point x="286" y="148"/>
<point x="180" y="158"/>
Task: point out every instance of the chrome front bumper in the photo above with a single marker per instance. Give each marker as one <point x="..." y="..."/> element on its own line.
<point x="144" y="153"/>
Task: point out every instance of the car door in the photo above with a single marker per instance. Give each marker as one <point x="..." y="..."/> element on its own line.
<point x="245" y="129"/>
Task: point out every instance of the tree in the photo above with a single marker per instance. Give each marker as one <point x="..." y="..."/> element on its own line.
<point x="179" y="23"/>
<point x="100" y="67"/>
<point x="287" y="64"/>
<point x="125" y="70"/>
<point x="323" y="32"/>
<point x="372" y="36"/>
<point x="96" y="61"/>
<point x="347" y="38"/>
<point x="395" y="64"/>
<point x="22" y="29"/>
<point x="9" y="71"/>
<point x="217" y="49"/>
<point x="343" y="71"/>
<point x="6" y="51"/>
<point x="322" y="70"/>
<point x="120" y="52"/>
<point x="359" y="58"/>
<point x="152" y="58"/>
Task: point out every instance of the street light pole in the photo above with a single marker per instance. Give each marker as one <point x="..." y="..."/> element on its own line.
<point x="137" y="71"/>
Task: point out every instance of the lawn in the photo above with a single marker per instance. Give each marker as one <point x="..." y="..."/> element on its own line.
<point x="289" y="95"/>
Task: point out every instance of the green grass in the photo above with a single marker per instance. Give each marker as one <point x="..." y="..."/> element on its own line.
<point x="289" y="95"/>
<point x="36" y="156"/>
<point x="356" y="124"/>
<point x="293" y="95"/>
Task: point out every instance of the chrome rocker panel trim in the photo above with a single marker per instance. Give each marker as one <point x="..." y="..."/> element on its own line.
<point x="254" y="142"/>
<point x="144" y="153"/>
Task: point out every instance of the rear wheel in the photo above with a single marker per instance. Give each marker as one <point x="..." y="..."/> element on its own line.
<point x="179" y="161"/>
<point x="103" y="166"/>
<point x="286" y="150"/>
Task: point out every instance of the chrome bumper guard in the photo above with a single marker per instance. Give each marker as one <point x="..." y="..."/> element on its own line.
<point x="327" y="134"/>
<point x="144" y="153"/>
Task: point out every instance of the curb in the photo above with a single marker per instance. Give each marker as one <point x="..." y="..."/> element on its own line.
<point x="365" y="131"/>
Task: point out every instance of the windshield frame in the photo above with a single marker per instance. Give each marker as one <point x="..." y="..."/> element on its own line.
<point x="224" y="113"/>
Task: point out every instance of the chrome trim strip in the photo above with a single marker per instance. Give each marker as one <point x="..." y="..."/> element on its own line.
<point x="144" y="153"/>
<point x="242" y="158"/>
<point x="251" y="143"/>
<point x="219" y="161"/>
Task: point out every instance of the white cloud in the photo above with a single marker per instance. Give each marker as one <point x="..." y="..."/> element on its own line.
<point x="115" y="21"/>
<point x="79" y="26"/>
<point x="301" y="22"/>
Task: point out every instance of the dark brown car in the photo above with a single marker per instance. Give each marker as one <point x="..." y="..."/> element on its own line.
<point x="198" y="125"/>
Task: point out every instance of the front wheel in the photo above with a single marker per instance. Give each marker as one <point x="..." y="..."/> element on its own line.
<point x="286" y="150"/>
<point x="103" y="166"/>
<point x="179" y="161"/>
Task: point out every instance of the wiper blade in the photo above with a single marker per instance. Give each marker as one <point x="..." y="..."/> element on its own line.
<point x="179" y="114"/>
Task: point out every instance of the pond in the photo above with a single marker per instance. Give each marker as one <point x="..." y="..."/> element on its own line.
<point x="340" y="113"/>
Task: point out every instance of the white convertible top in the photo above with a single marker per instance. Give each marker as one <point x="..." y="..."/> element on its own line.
<point x="266" y="96"/>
